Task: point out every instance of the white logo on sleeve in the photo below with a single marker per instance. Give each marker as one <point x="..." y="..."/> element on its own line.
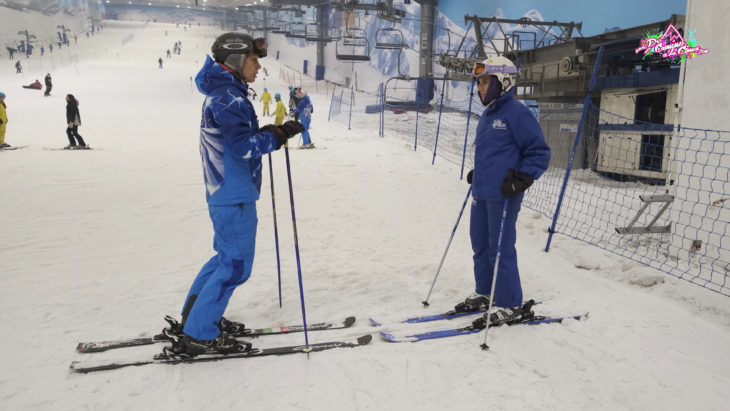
<point x="499" y="125"/>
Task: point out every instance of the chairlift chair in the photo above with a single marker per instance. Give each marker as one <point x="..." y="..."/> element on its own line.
<point x="312" y="34"/>
<point x="297" y="31"/>
<point x="355" y="40"/>
<point x="279" y="28"/>
<point x="389" y="39"/>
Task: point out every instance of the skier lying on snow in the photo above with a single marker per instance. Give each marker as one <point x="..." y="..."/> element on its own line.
<point x="36" y="85"/>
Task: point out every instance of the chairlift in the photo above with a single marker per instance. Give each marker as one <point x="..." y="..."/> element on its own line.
<point x="400" y="95"/>
<point x="279" y="27"/>
<point x="389" y="39"/>
<point x="356" y="42"/>
<point x="312" y="34"/>
<point x="297" y="31"/>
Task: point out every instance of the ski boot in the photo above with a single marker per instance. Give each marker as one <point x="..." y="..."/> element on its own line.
<point x="474" y="302"/>
<point x="222" y="344"/>
<point x="506" y="316"/>
<point x="232" y="327"/>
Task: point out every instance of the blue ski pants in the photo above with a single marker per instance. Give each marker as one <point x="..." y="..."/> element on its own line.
<point x="486" y="217"/>
<point x="234" y="243"/>
<point x="306" y="121"/>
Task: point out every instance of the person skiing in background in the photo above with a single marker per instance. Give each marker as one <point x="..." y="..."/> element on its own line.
<point x="304" y="110"/>
<point x="73" y="121"/>
<point x="510" y="153"/>
<point x="3" y="120"/>
<point x="43" y="50"/>
<point x="231" y="147"/>
<point x="168" y="53"/>
<point x="36" y="85"/>
<point x="280" y="111"/>
<point x="49" y="85"/>
<point x="159" y="61"/>
<point x="266" y="98"/>
<point x="18" y="67"/>
<point x="294" y="101"/>
<point x="11" y="52"/>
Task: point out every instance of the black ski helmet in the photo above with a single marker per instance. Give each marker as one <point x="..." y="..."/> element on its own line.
<point x="237" y="43"/>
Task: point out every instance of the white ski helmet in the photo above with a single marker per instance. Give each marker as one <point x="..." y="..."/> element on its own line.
<point x="501" y="67"/>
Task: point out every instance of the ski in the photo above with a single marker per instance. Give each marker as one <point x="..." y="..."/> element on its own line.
<point x="452" y="332"/>
<point x="167" y="357"/>
<point x="70" y="149"/>
<point x="12" y="148"/>
<point x="448" y="315"/>
<point x="100" y="346"/>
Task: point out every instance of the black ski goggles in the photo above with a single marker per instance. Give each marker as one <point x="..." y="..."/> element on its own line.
<point x="259" y="47"/>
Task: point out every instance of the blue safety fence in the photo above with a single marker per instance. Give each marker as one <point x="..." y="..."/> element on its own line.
<point x="650" y="192"/>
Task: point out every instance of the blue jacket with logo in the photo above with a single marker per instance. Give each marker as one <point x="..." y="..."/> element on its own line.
<point x="305" y="108"/>
<point x="508" y="136"/>
<point x="231" y="144"/>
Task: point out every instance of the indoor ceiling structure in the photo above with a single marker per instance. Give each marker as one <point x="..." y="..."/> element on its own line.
<point x="228" y="4"/>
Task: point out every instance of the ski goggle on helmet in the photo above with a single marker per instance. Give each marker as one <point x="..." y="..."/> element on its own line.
<point x="500" y="67"/>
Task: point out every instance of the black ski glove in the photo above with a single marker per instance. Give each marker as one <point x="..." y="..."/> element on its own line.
<point x="515" y="183"/>
<point x="283" y="132"/>
<point x="469" y="176"/>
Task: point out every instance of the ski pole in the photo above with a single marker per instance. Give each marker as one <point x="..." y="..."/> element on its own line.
<point x="296" y="248"/>
<point x="496" y="270"/>
<point x="276" y="229"/>
<point x="468" y="193"/>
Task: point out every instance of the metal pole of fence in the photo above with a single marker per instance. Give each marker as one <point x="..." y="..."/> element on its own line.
<point x="466" y="134"/>
<point x="382" y="110"/>
<point x="415" y="142"/>
<point x="332" y="100"/>
<point x="352" y="97"/>
<point x="438" y="125"/>
<point x="586" y="103"/>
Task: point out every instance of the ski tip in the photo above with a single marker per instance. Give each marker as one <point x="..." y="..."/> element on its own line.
<point x="388" y="337"/>
<point x="365" y="339"/>
<point x="374" y="323"/>
<point x="349" y="321"/>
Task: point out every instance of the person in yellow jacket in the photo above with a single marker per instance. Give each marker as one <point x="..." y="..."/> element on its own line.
<point x="266" y="98"/>
<point x="3" y="120"/>
<point x="280" y="111"/>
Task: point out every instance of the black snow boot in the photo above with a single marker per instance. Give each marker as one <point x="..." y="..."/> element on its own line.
<point x="506" y="316"/>
<point x="222" y="344"/>
<point x="473" y="302"/>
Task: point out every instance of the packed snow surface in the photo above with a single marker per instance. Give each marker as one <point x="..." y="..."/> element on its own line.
<point x="101" y="244"/>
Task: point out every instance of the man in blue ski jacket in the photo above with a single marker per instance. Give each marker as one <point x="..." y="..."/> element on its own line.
<point x="305" y="110"/>
<point x="510" y="154"/>
<point x="231" y="146"/>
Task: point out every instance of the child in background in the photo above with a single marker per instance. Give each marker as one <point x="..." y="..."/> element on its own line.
<point x="280" y="111"/>
<point x="266" y="98"/>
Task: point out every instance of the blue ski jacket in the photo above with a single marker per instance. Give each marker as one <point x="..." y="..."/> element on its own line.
<point x="508" y="136"/>
<point x="305" y="108"/>
<point x="231" y="144"/>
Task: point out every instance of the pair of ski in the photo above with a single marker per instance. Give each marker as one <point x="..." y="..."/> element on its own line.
<point x="530" y="319"/>
<point x="169" y="357"/>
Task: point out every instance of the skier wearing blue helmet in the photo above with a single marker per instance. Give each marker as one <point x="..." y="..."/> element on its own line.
<point x="231" y="147"/>
<point x="510" y="153"/>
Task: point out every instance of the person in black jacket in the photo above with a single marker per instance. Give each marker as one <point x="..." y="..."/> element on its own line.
<point x="49" y="85"/>
<point x="73" y="120"/>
